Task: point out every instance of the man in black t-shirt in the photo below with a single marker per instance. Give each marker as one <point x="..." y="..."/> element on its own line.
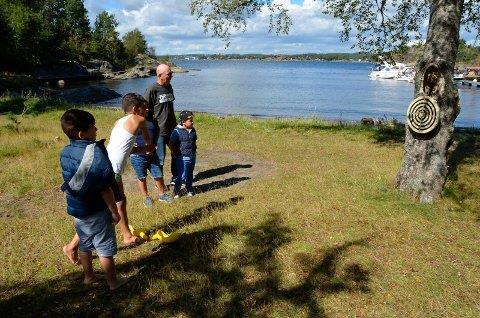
<point x="160" y="101"/>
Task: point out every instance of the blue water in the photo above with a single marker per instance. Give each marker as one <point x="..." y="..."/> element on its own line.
<point x="330" y="90"/>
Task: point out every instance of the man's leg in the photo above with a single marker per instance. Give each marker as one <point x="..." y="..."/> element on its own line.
<point x="160" y="160"/>
<point x="174" y="169"/>
<point x="159" y="181"/>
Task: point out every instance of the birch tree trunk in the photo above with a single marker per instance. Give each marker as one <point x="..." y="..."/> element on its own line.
<point x="424" y="168"/>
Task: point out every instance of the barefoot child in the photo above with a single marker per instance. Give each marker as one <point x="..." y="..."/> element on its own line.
<point x="120" y="146"/>
<point x="89" y="184"/>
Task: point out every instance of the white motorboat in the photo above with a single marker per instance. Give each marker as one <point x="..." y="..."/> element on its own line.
<point x="387" y="71"/>
<point x="407" y="75"/>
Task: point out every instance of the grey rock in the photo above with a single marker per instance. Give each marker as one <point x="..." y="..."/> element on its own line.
<point x="86" y="95"/>
<point x="61" y="70"/>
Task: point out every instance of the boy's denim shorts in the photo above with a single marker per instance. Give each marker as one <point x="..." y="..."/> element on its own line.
<point x="97" y="233"/>
<point x="142" y="163"/>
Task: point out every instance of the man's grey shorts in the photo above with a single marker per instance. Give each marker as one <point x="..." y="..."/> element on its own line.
<point x="97" y="233"/>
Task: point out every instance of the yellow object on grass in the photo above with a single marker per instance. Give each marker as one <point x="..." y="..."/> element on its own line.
<point x="158" y="235"/>
<point x="141" y="233"/>
<point x="164" y="237"/>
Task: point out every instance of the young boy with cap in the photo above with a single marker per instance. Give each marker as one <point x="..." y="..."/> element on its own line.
<point x="183" y="143"/>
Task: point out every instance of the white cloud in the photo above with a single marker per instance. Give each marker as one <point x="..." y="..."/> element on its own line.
<point x="169" y="27"/>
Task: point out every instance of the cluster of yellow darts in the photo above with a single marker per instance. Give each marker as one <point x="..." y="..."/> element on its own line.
<point x="155" y="235"/>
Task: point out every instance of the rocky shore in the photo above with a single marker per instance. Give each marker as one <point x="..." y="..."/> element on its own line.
<point x="54" y="81"/>
<point x="145" y="66"/>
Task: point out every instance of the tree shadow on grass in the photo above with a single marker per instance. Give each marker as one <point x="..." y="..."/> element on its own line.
<point x="382" y="133"/>
<point x="305" y="126"/>
<point x="219" y="171"/>
<point x="389" y="134"/>
<point x="30" y="105"/>
<point x="466" y="152"/>
<point x="200" y="276"/>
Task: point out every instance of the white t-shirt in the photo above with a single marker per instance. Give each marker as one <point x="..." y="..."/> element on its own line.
<point x="120" y="145"/>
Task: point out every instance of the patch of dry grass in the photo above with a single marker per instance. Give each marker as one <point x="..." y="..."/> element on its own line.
<point x="294" y="218"/>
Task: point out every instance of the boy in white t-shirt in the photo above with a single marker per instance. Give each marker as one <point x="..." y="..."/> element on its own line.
<point x="120" y="146"/>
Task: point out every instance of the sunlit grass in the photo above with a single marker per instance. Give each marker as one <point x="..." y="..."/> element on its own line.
<point x="312" y="226"/>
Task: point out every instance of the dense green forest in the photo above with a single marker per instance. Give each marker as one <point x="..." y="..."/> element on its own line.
<point x="39" y="32"/>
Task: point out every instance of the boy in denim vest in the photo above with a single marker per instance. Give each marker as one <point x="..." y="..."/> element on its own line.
<point x="89" y="185"/>
<point x="183" y="143"/>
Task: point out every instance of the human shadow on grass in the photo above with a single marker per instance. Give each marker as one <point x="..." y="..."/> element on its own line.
<point x="218" y="184"/>
<point x="219" y="271"/>
<point x="219" y="171"/>
<point x="196" y="215"/>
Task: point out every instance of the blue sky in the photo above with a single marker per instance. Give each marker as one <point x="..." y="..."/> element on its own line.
<point x="169" y="28"/>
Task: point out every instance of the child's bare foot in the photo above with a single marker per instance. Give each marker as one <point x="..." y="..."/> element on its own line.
<point x="71" y="254"/>
<point x="131" y="240"/>
<point x="118" y="283"/>
<point x="93" y="279"/>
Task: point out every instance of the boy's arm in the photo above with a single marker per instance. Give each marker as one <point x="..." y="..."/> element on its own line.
<point x="142" y="125"/>
<point x="173" y="143"/>
<point x="135" y="123"/>
<point x="109" y="199"/>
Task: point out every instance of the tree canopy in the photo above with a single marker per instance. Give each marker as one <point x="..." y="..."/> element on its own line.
<point x="44" y="31"/>
<point x="134" y="43"/>
<point x="378" y="26"/>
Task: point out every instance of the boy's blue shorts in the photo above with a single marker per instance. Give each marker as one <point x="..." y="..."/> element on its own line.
<point x="142" y="163"/>
<point x="97" y="233"/>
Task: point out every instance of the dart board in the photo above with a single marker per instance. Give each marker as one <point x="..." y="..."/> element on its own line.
<point x="423" y="114"/>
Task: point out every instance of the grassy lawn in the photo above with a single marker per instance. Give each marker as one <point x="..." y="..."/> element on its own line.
<point x="292" y="219"/>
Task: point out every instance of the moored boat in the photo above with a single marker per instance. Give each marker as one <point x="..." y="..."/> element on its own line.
<point x="387" y="71"/>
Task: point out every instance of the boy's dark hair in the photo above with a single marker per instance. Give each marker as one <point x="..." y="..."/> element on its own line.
<point x="76" y="120"/>
<point x="184" y="115"/>
<point x="131" y="100"/>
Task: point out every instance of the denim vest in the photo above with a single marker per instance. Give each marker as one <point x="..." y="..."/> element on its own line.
<point x="87" y="172"/>
<point x="186" y="141"/>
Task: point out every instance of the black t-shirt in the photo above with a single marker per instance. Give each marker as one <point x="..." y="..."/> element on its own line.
<point x="160" y="101"/>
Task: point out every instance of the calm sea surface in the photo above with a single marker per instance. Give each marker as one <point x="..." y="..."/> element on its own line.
<point x="331" y="90"/>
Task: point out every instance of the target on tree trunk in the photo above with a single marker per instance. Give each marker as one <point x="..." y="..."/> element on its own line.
<point x="423" y="114"/>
